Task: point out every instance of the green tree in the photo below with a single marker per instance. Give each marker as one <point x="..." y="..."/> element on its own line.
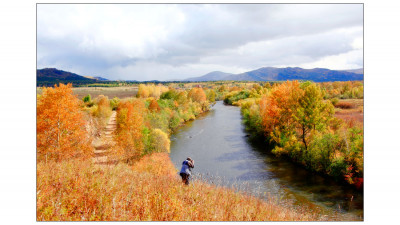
<point x="312" y="112"/>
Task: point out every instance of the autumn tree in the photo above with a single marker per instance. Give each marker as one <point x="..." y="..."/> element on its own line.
<point x="130" y="124"/>
<point x="61" y="132"/>
<point x="312" y="114"/>
<point x="277" y="110"/>
<point x="211" y="95"/>
<point x="143" y="91"/>
<point x="153" y="106"/>
<point x="197" y="95"/>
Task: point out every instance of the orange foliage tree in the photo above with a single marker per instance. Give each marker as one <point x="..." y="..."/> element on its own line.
<point x="277" y="110"/>
<point x="60" y="128"/>
<point x="129" y="129"/>
<point x="197" y="95"/>
<point x="153" y="106"/>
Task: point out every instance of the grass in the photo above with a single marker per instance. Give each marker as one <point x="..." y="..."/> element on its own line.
<point x="150" y="190"/>
<point x="350" y="110"/>
<point x="110" y="92"/>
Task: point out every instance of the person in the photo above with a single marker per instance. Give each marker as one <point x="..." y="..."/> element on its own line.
<point x="186" y="170"/>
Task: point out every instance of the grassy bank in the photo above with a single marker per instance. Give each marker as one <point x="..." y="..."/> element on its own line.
<point x="150" y="190"/>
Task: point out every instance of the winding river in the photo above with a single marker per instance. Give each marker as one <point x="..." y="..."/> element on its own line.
<point x="224" y="155"/>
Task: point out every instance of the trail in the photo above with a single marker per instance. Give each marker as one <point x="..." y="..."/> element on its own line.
<point x="103" y="145"/>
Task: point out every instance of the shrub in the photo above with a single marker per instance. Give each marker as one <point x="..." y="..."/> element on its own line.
<point x="114" y="103"/>
<point x="103" y="107"/>
<point x="344" y="105"/>
<point x="159" y="141"/>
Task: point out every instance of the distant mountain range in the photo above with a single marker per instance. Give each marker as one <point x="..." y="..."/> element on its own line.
<point x="51" y="76"/>
<point x="282" y="74"/>
<point x="216" y="75"/>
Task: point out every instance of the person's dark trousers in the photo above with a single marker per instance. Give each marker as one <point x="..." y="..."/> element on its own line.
<point x="185" y="178"/>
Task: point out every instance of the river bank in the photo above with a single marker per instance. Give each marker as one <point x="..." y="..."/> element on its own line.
<point x="75" y="190"/>
<point x="226" y="156"/>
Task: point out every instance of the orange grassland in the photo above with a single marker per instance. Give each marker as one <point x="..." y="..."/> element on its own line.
<point x="150" y="190"/>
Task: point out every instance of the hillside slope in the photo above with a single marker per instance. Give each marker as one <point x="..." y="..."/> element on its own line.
<point x="283" y="74"/>
<point x="150" y="190"/>
<point x="51" y="76"/>
<point x="213" y="76"/>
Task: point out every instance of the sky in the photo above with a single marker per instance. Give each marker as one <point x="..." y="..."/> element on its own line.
<point x="178" y="41"/>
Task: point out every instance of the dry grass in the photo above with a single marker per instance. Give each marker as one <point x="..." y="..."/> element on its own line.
<point x="350" y="110"/>
<point x="110" y="92"/>
<point x="149" y="191"/>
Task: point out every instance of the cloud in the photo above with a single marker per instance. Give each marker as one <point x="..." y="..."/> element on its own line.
<point x="156" y="41"/>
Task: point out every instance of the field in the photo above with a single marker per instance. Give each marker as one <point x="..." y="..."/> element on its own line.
<point x="350" y="110"/>
<point x="110" y="92"/>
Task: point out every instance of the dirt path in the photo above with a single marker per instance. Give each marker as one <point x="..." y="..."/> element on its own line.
<point x="105" y="142"/>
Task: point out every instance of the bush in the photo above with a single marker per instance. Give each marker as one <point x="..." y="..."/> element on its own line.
<point x="103" y="107"/>
<point x="114" y="103"/>
<point x="334" y="101"/>
<point x="344" y="105"/>
<point x="159" y="141"/>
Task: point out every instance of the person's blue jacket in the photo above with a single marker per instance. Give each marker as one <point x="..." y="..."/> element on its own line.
<point x="187" y="167"/>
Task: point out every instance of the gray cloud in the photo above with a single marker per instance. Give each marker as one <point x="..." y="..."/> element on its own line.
<point x="145" y="42"/>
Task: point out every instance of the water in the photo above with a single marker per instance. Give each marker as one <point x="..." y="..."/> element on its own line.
<point x="224" y="155"/>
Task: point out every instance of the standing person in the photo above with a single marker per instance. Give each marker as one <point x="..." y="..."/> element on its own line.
<point x="187" y="167"/>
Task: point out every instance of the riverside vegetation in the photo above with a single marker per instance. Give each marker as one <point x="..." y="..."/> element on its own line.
<point x="140" y="182"/>
<point x="301" y="122"/>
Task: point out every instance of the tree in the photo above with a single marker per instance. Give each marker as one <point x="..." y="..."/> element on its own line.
<point x="130" y="124"/>
<point x="277" y="109"/>
<point x="211" y="95"/>
<point x="313" y="113"/>
<point x="197" y="95"/>
<point x="143" y="91"/>
<point x="61" y="132"/>
<point x="154" y="107"/>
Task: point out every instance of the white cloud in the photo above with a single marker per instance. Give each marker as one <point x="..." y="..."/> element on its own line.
<point x="139" y="41"/>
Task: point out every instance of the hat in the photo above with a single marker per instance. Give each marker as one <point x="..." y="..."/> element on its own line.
<point x="188" y="158"/>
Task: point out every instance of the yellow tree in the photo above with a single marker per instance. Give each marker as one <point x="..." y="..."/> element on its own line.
<point x="143" y="91"/>
<point x="312" y="114"/>
<point x="60" y="128"/>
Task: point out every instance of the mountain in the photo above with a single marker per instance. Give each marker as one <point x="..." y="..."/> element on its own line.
<point x="213" y="76"/>
<point x="282" y="74"/>
<point x="358" y="71"/>
<point x="51" y="76"/>
<point x="101" y="78"/>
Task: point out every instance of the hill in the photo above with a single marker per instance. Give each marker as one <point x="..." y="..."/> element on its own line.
<point x="358" y="71"/>
<point x="213" y="76"/>
<point x="51" y="76"/>
<point x="126" y="193"/>
<point x="289" y="73"/>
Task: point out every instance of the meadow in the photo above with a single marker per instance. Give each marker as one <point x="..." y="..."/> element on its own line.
<point x="110" y="92"/>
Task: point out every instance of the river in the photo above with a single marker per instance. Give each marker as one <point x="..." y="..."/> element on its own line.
<point x="224" y="155"/>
